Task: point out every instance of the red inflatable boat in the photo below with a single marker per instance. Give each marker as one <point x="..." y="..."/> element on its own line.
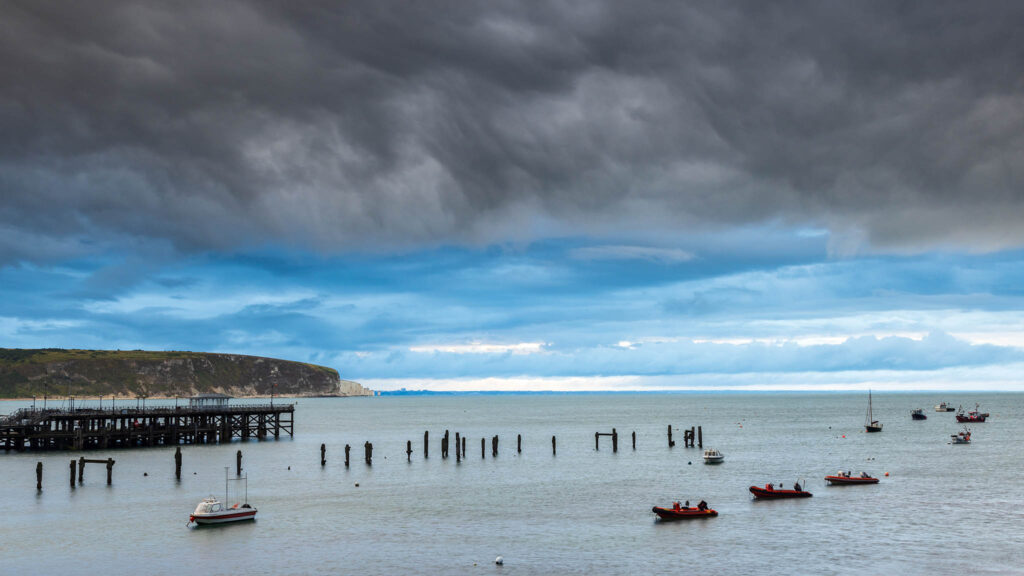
<point x="768" y="492"/>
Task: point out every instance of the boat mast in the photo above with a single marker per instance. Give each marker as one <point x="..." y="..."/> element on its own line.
<point x="226" y="486"/>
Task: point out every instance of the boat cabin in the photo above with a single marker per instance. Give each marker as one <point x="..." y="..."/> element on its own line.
<point x="209" y="506"/>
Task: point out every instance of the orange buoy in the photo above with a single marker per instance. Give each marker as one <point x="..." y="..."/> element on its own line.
<point x="887" y="474"/>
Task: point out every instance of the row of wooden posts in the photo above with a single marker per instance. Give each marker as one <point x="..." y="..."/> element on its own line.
<point x="694" y="437"/>
<point x="77" y="467"/>
<point x="689" y="437"/>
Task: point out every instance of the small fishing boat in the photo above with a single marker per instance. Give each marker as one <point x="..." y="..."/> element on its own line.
<point x="677" y="512"/>
<point x="972" y="416"/>
<point x="918" y="414"/>
<point x="712" y="456"/>
<point x="213" y="511"/>
<point x="769" y="492"/>
<point x="870" y="424"/>
<point x="846" y="479"/>
<point x="961" y="437"/>
<point x="944" y="407"/>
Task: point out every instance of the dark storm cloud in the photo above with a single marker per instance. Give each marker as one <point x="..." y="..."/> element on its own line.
<point x="337" y="126"/>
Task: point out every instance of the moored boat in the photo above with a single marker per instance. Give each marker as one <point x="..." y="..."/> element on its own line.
<point x="961" y="437"/>
<point x="918" y="414"/>
<point x="769" y="492"/>
<point x="712" y="456"/>
<point x="846" y="479"/>
<point x="677" y="512"/>
<point x="212" y="511"/>
<point x="870" y="424"/>
<point x="972" y="416"/>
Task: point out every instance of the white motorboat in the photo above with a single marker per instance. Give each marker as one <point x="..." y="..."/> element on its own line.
<point x="712" y="456"/>
<point x="212" y="511"/>
<point x="944" y="407"/>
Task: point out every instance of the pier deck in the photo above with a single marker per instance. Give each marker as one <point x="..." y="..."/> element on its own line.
<point x="91" y="429"/>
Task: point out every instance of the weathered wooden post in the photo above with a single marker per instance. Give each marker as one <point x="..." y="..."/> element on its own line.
<point x="238" y="463"/>
<point x="483" y="448"/>
<point x="458" y="448"/>
<point x="426" y="443"/>
<point x="368" y="448"/>
<point x="73" y="464"/>
<point x="463" y="447"/>
<point x="323" y="455"/>
<point x="177" y="463"/>
<point x="615" y="440"/>
<point x="554" y="451"/>
<point x="347" y="450"/>
<point x="634" y="439"/>
<point x="670" y="442"/>
<point x="81" y="469"/>
<point x="444" y="445"/>
<point x="693" y="436"/>
<point x="700" y="437"/>
<point x="408" y="450"/>
<point x="597" y="440"/>
<point x="494" y="446"/>
<point x="39" y="476"/>
<point x="110" y="470"/>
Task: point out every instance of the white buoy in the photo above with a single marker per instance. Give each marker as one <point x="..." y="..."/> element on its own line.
<point x="499" y="561"/>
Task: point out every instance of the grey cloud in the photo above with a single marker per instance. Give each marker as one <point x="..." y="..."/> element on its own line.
<point x="341" y="126"/>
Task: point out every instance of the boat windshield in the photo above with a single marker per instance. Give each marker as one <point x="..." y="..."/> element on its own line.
<point x="206" y="507"/>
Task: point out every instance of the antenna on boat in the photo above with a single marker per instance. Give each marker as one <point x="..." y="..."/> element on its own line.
<point x="226" y="486"/>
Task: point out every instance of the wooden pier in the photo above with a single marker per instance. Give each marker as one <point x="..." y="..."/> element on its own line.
<point x="91" y="429"/>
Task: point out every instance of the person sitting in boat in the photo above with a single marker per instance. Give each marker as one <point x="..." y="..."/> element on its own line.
<point x="769" y="486"/>
<point x="675" y="505"/>
<point x="702" y="506"/>
<point x="687" y="505"/>
<point x="796" y="486"/>
<point x="864" y="475"/>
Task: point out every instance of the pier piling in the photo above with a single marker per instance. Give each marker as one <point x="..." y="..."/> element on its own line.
<point x="494" y="447"/>
<point x="368" y="448"/>
<point x="39" y="476"/>
<point x="700" y="437"/>
<point x="408" y="450"/>
<point x="238" y="463"/>
<point x="444" y="445"/>
<point x="615" y="440"/>
<point x="458" y="448"/>
<point x="553" y="450"/>
<point x="323" y="455"/>
<point x="519" y="443"/>
<point x="74" y="464"/>
<point x="483" y="448"/>
<point x="110" y="470"/>
<point x="634" y="439"/>
<point x="426" y="444"/>
<point x="463" y="447"/>
<point x="177" y="463"/>
<point x="347" y="450"/>
<point x="671" y="443"/>
<point x="81" y="470"/>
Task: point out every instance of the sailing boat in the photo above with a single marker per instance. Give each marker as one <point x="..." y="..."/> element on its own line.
<point x="871" y="425"/>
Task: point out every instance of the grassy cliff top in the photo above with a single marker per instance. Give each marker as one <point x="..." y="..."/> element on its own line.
<point x="48" y="355"/>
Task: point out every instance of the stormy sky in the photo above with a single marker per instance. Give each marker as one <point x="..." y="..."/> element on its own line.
<point x="569" y="195"/>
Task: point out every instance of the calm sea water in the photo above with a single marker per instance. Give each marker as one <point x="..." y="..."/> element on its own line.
<point x="943" y="509"/>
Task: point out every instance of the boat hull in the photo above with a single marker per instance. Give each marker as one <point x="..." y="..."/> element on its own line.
<point x="683" y="513"/>
<point x="765" y="494"/>
<point x="844" y="481"/>
<point x="714" y="460"/>
<point x="224" y="517"/>
<point x="872" y="428"/>
<point x="978" y="418"/>
<point x="916" y="416"/>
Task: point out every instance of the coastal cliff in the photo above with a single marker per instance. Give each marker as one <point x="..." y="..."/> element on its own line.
<point x="134" y="373"/>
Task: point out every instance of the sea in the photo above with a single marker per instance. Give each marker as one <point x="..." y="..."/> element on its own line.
<point x="939" y="508"/>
